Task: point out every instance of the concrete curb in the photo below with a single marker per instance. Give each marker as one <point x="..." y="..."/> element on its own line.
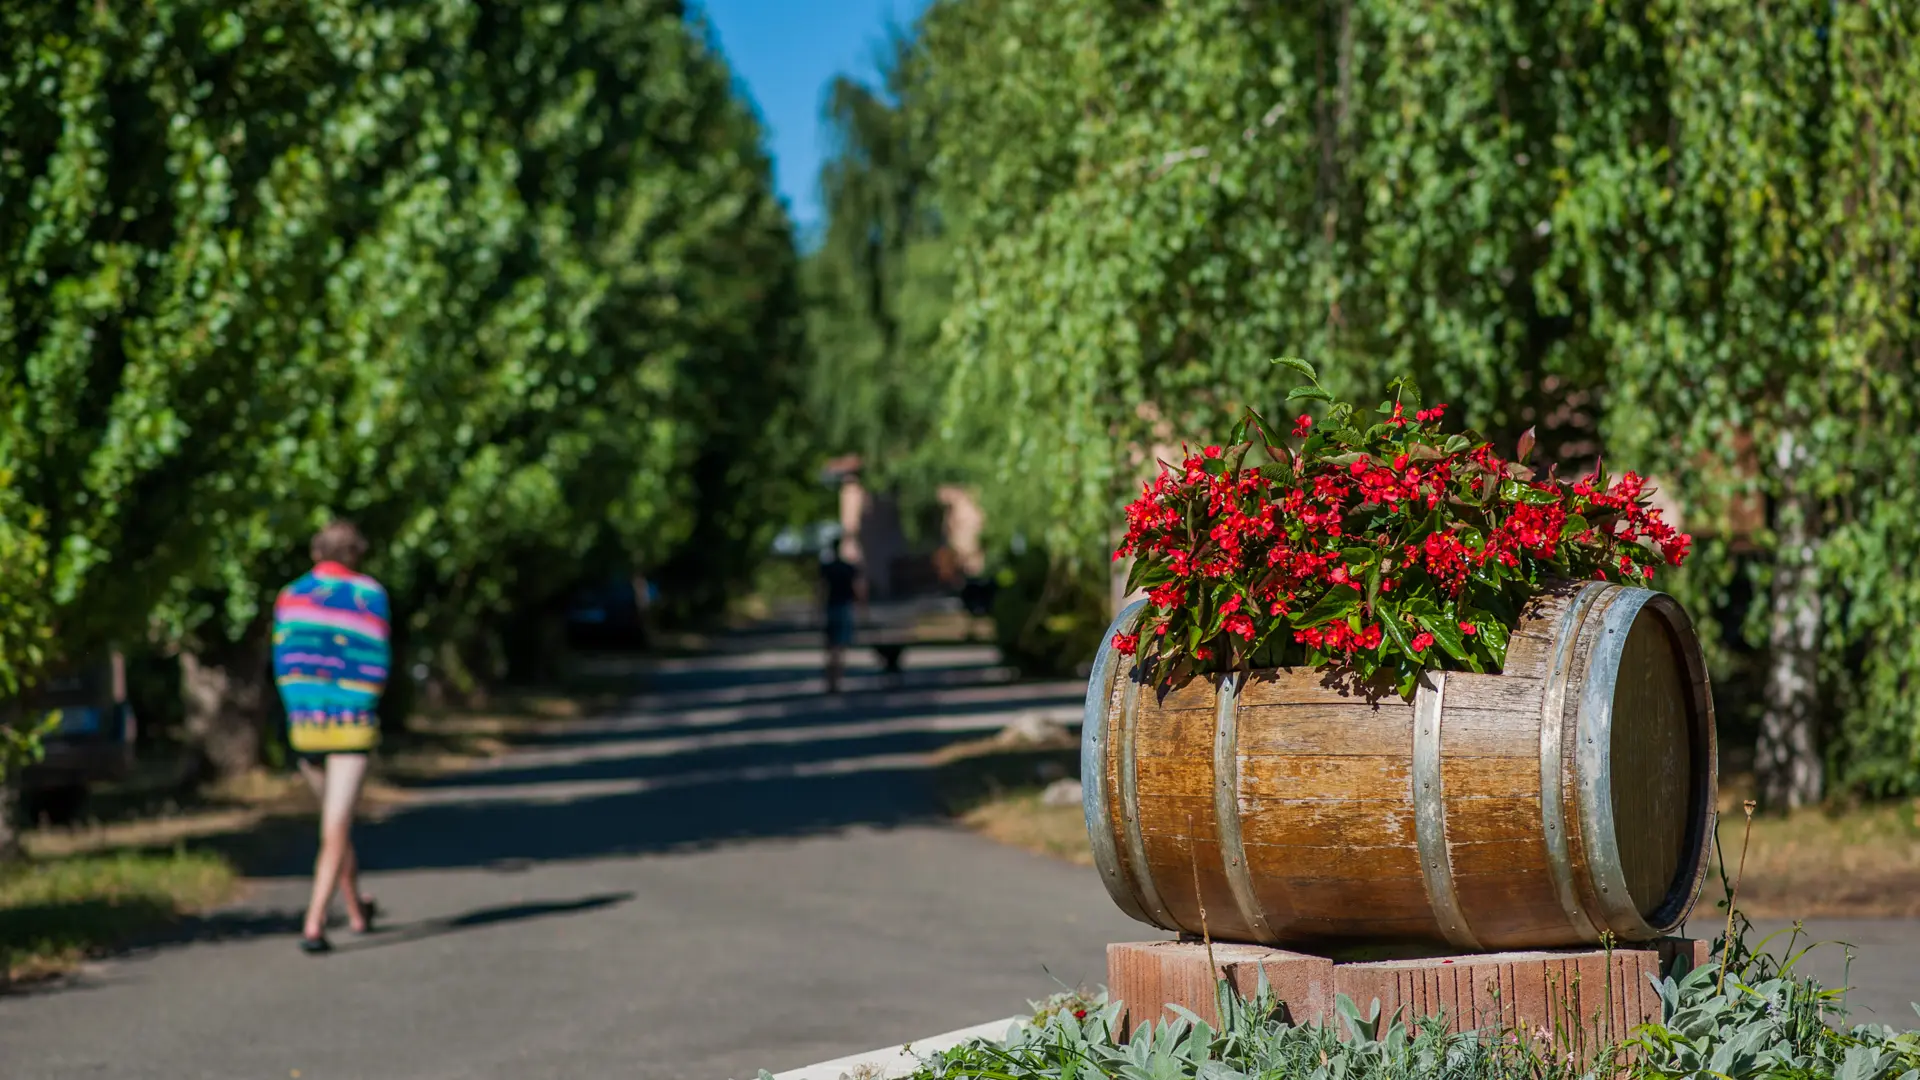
<point x="898" y="1061"/>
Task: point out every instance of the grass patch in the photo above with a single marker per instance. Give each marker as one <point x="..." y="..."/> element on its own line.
<point x="1019" y="818"/>
<point x="1835" y="861"/>
<point x="995" y="789"/>
<point x="55" y="913"/>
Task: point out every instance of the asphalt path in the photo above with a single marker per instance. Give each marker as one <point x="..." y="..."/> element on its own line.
<point x="732" y="872"/>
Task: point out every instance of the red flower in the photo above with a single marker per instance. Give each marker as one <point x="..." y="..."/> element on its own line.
<point x="1166" y="596"/>
<point x="1127" y="644"/>
<point x="1267" y="552"/>
<point x="1079" y="1014"/>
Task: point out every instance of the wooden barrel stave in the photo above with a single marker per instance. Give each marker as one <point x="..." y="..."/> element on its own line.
<point x="1289" y="806"/>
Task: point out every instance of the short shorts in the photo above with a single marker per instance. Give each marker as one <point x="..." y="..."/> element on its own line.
<point x="840" y="625"/>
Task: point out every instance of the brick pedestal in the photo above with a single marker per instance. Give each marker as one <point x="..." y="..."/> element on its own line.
<point x="1584" y="996"/>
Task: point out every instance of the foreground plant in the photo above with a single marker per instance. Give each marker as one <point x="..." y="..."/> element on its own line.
<point x="1764" y="1022"/>
<point x="1388" y="547"/>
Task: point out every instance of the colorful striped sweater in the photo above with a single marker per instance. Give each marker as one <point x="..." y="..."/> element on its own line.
<point x="330" y="658"/>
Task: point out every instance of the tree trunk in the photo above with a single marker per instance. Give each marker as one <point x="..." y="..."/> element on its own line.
<point x="1787" y="760"/>
<point x="10" y="850"/>
<point x="226" y="692"/>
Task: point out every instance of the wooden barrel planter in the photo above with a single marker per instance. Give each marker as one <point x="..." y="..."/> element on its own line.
<point x="1568" y="796"/>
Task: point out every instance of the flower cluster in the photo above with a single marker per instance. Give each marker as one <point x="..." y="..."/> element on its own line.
<point x="1390" y="547"/>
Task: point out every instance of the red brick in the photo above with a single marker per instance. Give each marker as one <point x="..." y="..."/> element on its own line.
<point x="1564" y="991"/>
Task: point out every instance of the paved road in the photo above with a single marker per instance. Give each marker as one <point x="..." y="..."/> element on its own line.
<point x="732" y="873"/>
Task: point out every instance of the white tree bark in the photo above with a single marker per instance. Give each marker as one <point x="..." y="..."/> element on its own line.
<point x="1787" y="760"/>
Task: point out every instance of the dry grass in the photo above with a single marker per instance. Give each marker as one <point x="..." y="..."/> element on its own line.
<point x="1019" y="819"/>
<point x="244" y="805"/>
<point x="1824" y="861"/>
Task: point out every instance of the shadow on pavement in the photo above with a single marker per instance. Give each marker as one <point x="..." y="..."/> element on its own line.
<point x="242" y="925"/>
<point x="734" y="747"/>
<point x="660" y="779"/>
<point x="407" y="933"/>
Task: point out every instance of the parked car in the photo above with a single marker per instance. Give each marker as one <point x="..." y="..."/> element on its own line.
<point x="92" y="740"/>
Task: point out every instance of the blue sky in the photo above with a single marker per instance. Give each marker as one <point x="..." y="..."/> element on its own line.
<point x="785" y="51"/>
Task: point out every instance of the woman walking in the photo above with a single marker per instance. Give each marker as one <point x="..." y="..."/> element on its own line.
<point x="330" y="660"/>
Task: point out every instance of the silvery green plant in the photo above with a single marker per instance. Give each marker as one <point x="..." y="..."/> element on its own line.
<point x="1759" y="1021"/>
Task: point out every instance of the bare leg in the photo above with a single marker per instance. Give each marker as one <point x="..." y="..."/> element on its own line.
<point x="350" y="888"/>
<point x="349" y="869"/>
<point x="339" y="791"/>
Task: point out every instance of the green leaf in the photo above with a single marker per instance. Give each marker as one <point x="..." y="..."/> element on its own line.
<point x="1308" y="393"/>
<point x="1458" y="443"/>
<point x="1396" y="631"/>
<point x="1259" y="424"/>
<point x="1494" y="638"/>
<point x="1338" y="602"/>
<point x="1409" y="390"/>
<point x="1447" y="634"/>
<point x="1298" y="365"/>
<point x="1515" y="491"/>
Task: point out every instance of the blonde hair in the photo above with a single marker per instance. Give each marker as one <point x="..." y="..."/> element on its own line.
<point x="338" y="542"/>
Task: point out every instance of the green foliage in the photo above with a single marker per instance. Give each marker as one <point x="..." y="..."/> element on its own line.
<point x="1048" y="614"/>
<point x="1681" y="230"/>
<point x="503" y="282"/>
<point x="878" y="285"/>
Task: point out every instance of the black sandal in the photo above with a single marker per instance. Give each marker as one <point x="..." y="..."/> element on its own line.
<point x="314" y="946"/>
<point x="371" y="909"/>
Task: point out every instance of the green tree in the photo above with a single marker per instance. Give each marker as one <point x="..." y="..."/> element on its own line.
<point x="1675" y="230"/>
<point x="880" y="280"/>
<point x="503" y="282"/>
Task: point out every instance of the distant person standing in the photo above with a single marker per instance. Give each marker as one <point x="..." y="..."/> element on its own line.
<point x="330" y="660"/>
<point x="841" y="588"/>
